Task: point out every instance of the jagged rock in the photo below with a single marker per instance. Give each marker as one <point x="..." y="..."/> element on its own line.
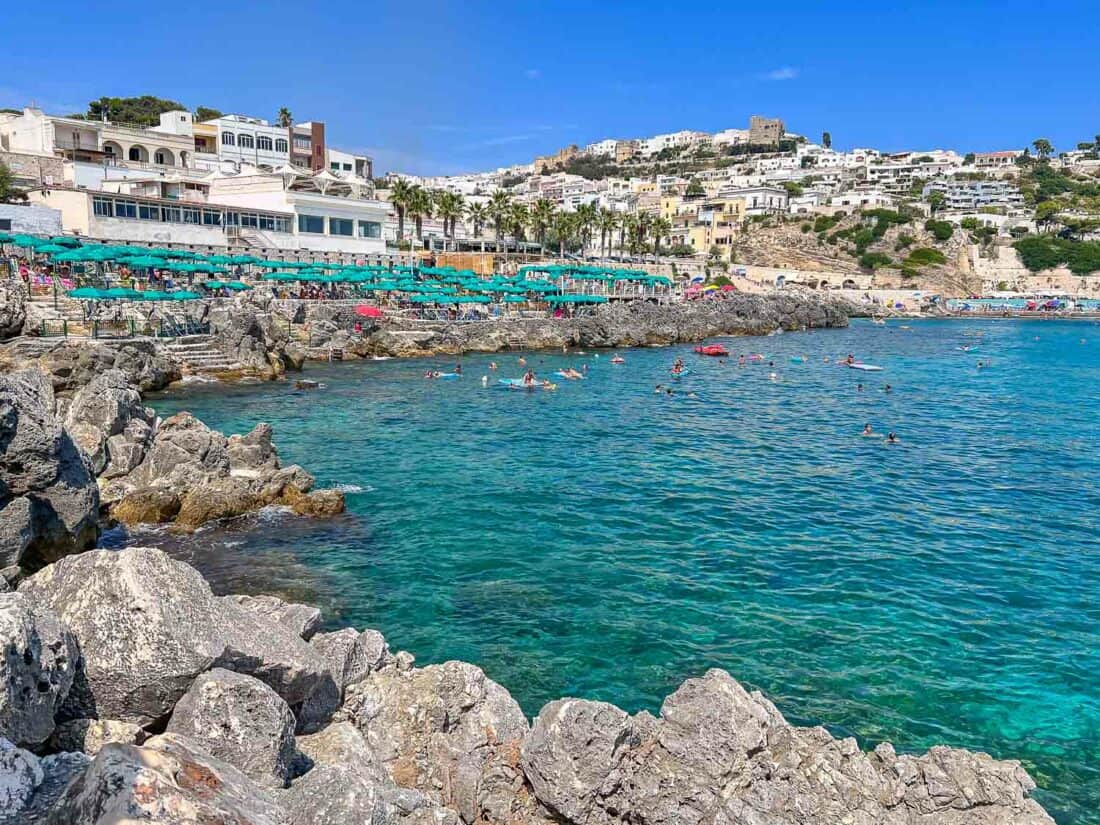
<point x="720" y="754"/>
<point x="220" y="499"/>
<point x="301" y="619"/>
<point x="148" y="625"/>
<point x="20" y="776"/>
<point x="352" y="656"/>
<point x="239" y="720"/>
<point x="42" y="468"/>
<point x="38" y="660"/>
<point x="58" y="771"/>
<point x="341" y="744"/>
<point x="336" y="795"/>
<point x="250" y="336"/>
<point x="149" y="505"/>
<point x="319" y="503"/>
<point x="72" y="363"/>
<point x="13" y="309"/>
<point x="434" y="728"/>
<point x="103" y="410"/>
<point x="571" y="749"/>
<point x="90" y="735"/>
<point x="185" y="454"/>
<point x="168" y="781"/>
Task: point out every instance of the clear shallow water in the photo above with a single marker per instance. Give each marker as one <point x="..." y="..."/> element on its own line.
<point x="608" y="542"/>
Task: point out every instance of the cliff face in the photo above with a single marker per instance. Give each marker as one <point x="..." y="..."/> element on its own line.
<point x="266" y="722"/>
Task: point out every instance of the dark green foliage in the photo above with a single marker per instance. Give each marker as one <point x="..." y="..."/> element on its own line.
<point x="925" y="256"/>
<point x="874" y="260"/>
<point x="8" y="192"/>
<point x="139" y="111"/>
<point x="823" y="223"/>
<point x="904" y="242"/>
<point x="941" y="230"/>
<point x="681" y="250"/>
<point x="806" y="227"/>
<point x="203" y="113"/>
<point x="1039" y="252"/>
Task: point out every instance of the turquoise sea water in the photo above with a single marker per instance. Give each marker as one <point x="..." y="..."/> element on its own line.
<point x="608" y="541"/>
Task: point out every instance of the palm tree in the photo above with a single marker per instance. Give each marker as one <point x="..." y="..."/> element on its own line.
<point x="564" y="225"/>
<point x="284" y="118"/>
<point x="419" y="208"/>
<point x="400" y="193"/>
<point x="478" y="213"/>
<point x="542" y="214"/>
<point x="448" y="206"/>
<point x="519" y="218"/>
<point x="607" y="221"/>
<point x="499" y="205"/>
<point x="642" y="222"/>
<point x="661" y="229"/>
<point x="1043" y="148"/>
<point x="586" y="218"/>
<point x="625" y="224"/>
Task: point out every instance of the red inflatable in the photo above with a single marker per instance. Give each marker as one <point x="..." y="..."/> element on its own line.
<point x="713" y="349"/>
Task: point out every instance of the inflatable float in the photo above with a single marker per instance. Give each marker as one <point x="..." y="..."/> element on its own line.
<point x="715" y="350"/>
<point x="618" y="360"/>
<point x="865" y="367"/>
<point x="567" y="376"/>
<point x="517" y="384"/>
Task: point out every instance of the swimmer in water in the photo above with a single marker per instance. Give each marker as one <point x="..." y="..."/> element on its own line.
<point x="669" y="391"/>
<point x="851" y="359"/>
<point x="458" y="369"/>
<point x="741" y="360"/>
<point x="867" y="431"/>
<point x="980" y="365"/>
<point x="564" y="349"/>
<point x="774" y="376"/>
<point x="658" y="388"/>
<point x="522" y="361"/>
<point x="492" y="365"/>
<point x="585" y="368"/>
<point x="891" y="438"/>
<point x="692" y="395"/>
<point x="859" y="388"/>
<point x="887" y="388"/>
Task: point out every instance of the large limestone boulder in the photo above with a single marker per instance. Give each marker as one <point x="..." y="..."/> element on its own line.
<point x="38" y="660"/>
<point x="434" y="728"/>
<point x="110" y="424"/>
<point x="20" y="776"/>
<point x="167" y="781"/>
<point x="72" y="363"/>
<point x="341" y="744"/>
<point x="148" y="625"/>
<point x="88" y="736"/>
<point x="720" y="754"/>
<point x="352" y="656"/>
<point x="59" y="770"/>
<point x="301" y="619"/>
<point x="49" y="502"/>
<point x="240" y="720"/>
<point x="13" y="309"/>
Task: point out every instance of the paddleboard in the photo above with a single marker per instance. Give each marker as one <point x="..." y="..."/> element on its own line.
<point x="865" y="367"/>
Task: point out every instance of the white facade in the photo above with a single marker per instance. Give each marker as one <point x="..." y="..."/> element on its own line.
<point x="602" y="147"/>
<point x="251" y="140"/>
<point x="761" y="200"/>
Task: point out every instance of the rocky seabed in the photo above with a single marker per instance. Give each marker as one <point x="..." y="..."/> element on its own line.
<point x="130" y="693"/>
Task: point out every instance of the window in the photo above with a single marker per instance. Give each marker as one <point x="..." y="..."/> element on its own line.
<point x="250" y="219"/>
<point x="334" y="167"/>
<point x="162" y="158"/>
<point x="125" y="209"/>
<point x="135" y="153"/>
<point x="246" y="141"/>
<point x="267" y="222"/>
<point x="341" y="226"/>
<point x="303" y="143"/>
<point x="103" y="207"/>
<point x="280" y="145"/>
<point x="172" y="213"/>
<point x="282" y="225"/>
<point x="347" y="167"/>
<point x="314" y="224"/>
<point x="370" y="229"/>
<point x="228" y="139"/>
<point x="109" y="150"/>
<point x="211" y="218"/>
<point x="263" y="142"/>
<point x="192" y="215"/>
<point x="148" y="212"/>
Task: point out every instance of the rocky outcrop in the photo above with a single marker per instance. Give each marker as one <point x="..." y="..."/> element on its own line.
<point x="72" y="363"/>
<point x="88" y="736"/>
<point x="352" y="656"/>
<point x="191" y="474"/>
<point x="49" y="502"/>
<point x="13" y="309"/>
<point x="618" y="325"/>
<point x="301" y="619"/>
<point x="250" y="335"/>
<point x="38" y="661"/>
<point x="240" y="720"/>
<point x="147" y="626"/>
<point x="109" y="423"/>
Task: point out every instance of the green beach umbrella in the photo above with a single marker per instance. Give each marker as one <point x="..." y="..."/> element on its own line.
<point x="66" y="240"/>
<point x="122" y="293"/>
<point x="236" y="285"/>
<point x="184" y="295"/>
<point x="88" y="293"/>
<point x="155" y="295"/>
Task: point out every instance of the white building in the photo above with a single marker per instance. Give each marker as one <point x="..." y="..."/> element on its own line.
<point x="252" y="140"/>
<point x="602" y="147"/>
<point x="760" y="200"/>
<point x="973" y="195"/>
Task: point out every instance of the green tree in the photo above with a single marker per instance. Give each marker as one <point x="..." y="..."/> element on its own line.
<point x="968" y="159"/>
<point x="139" y="111"/>
<point x="400" y="193"/>
<point x="419" y="207"/>
<point x="499" y="206"/>
<point x="205" y="113"/>
<point x="694" y="189"/>
<point x="542" y="214"/>
<point x="449" y="207"/>
<point x="478" y="214"/>
<point x="9" y="193"/>
<point x="607" y="222"/>
<point x="1046" y="213"/>
<point x="518" y="220"/>
<point x="793" y="189"/>
<point x="564" y="226"/>
<point x="936" y="201"/>
<point x="1043" y="148"/>
<point x="587" y="213"/>
<point x="826" y="140"/>
<point x="661" y="228"/>
<point x="284" y="118"/>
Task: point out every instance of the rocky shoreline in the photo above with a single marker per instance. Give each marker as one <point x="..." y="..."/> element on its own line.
<point x="130" y="693"/>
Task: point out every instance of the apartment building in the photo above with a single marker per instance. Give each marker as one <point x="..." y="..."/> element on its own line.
<point x="973" y="195"/>
<point x="996" y="160"/>
<point x="759" y="200"/>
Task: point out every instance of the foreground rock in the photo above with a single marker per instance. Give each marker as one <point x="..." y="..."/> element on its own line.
<point x="720" y="754"/>
<point x="240" y="720"/>
<point x="109" y="423"/>
<point x="147" y="626"/>
<point x="300" y="619"/>
<point x="73" y="363"/>
<point x="190" y="475"/>
<point x="49" y="502"/>
<point x="38" y="661"/>
<point x="13" y="309"/>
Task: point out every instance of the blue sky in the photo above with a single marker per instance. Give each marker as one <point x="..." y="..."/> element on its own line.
<point x="436" y="87"/>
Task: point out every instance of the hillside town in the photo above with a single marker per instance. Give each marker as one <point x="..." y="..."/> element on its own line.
<point x="756" y="206"/>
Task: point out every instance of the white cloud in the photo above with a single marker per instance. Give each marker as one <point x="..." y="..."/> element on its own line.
<point x="532" y="74"/>
<point x="782" y="73"/>
<point x="503" y="140"/>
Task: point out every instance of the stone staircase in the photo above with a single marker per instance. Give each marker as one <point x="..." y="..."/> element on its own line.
<point x="197" y="354"/>
<point x="53" y="316"/>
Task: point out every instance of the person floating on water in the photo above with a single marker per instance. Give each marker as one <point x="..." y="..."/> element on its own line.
<point x="657" y="388"/>
<point x="867" y="431"/>
<point x="859" y="388"/>
<point x="851" y="359"/>
<point x="891" y="438"/>
<point x="980" y="365"/>
<point x="458" y="369"/>
<point x="887" y="388"/>
<point x="741" y="360"/>
<point x="529" y="378"/>
<point x="492" y="365"/>
<point x="678" y="366"/>
<point x="522" y="361"/>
